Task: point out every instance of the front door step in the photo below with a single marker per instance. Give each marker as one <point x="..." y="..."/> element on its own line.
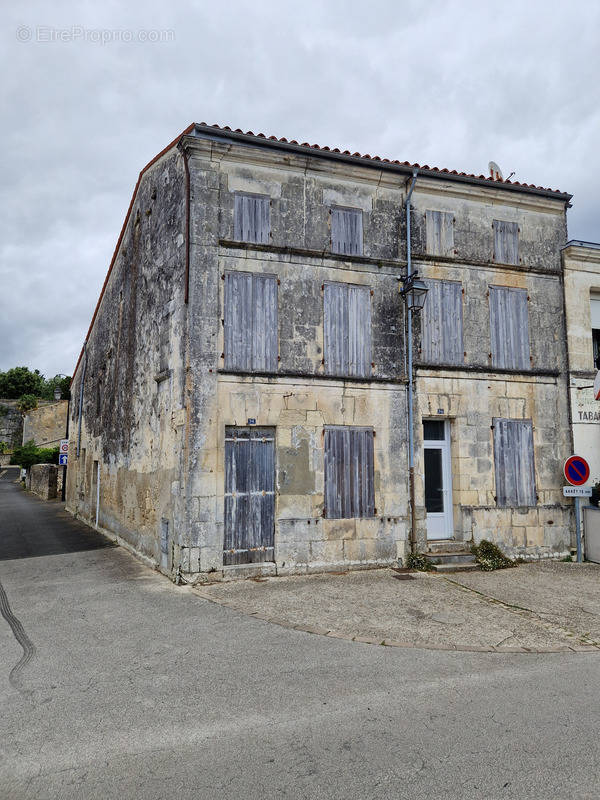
<point x="447" y="546"/>
<point x="453" y="560"/>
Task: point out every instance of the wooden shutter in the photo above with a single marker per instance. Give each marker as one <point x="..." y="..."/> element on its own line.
<point x="349" y="482"/>
<point x="359" y="331"/>
<point x="238" y="320"/>
<point x="514" y="462"/>
<point x="346" y="231"/>
<point x="251" y="218"/>
<point x="264" y="323"/>
<point x="509" y="328"/>
<point x="506" y="242"/>
<point x="347" y="329"/>
<point x="335" y="319"/>
<point x="442" y="323"/>
<point x="440" y="233"/>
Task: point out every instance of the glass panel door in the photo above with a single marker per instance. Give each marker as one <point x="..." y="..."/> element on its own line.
<point x="438" y="479"/>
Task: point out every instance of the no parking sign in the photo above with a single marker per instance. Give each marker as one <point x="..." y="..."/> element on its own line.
<point x="577" y="470"/>
<point x="63" y="452"/>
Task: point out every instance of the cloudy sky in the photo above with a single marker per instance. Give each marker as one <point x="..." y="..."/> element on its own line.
<point x="92" y="91"/>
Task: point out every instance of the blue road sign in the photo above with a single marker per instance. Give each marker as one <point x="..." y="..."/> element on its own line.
<point x="62" y="460"/>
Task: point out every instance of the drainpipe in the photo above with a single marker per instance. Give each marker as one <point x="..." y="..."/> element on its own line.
<point x="81" y="397"/>
<point x="411" y="443"/>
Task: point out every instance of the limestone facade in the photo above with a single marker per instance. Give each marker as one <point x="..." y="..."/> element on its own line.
<point x="165" y="413"/>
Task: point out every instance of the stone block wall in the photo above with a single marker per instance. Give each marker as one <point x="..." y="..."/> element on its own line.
<point x="42" y="480"/>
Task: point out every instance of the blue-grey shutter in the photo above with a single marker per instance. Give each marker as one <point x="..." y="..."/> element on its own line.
<point x="509" y="328"/>
<point x="238" y="320"/>
<point x="346" y="231"/>
<point x="359" y="331"/>
<point x="440" y="233"/>
<point x="251" y="218"/>
<point x="442" y="323"/>
<point x="506" y="242"/>
<point x="335" y="328"/>
<point x="264" y="323"/>
<point x="347" y="329"/>
<point x="349" y="473"/>
<point x="514" y="462"/>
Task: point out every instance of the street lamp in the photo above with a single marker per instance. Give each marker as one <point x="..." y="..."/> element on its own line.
<point x="414" y="292"/>
<point x="57" y="394"/>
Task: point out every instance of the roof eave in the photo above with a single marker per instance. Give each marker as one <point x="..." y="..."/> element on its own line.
<point x="219" y="134"/>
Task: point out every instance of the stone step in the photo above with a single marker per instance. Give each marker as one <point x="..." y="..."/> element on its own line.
<point x="446" y="546"/>
<point x="453" y="557"/>
<point x="445" y="568"/>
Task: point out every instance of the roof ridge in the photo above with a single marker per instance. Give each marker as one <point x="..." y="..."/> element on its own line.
<point x="367" y="156"/>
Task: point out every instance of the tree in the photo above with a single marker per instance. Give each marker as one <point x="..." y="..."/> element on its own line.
<point x="18" y="381"/>
<point x="57" y="382"/>
<point x="27" y="402"/>
<point x="28" y="455"/>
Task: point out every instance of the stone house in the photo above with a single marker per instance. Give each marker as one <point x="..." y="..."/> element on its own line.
<point x="581" y="261"/>
<point x="240" y="403"/>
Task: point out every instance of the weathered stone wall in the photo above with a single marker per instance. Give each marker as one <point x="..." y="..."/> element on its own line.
<point x="42" y="480"/>
<point x="11" y="423"/>
<point x="132" y="416"/>
<point x="46" y="424"/>
<point x="152" y="433"/>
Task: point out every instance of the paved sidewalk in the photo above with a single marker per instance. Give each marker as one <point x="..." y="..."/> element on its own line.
<point x="541" y="607"/>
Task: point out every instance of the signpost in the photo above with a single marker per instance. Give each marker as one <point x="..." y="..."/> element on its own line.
<point x="577" y="472"/>
<point x="63" y="452"/>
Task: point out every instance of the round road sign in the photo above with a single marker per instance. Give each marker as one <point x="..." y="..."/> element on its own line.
<point x="577" y="470"/>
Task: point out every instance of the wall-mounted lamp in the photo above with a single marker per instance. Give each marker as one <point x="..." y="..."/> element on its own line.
<point x="414" y="292"/>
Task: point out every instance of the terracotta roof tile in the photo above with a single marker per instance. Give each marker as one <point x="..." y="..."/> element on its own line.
<point x="368" y="157"/>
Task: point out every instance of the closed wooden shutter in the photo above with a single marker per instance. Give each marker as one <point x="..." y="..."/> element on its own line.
<point x="514" y="462"/>
<point x="251" y="218"/>
<point x="506" y="242"/>
<point x="264" y="323"/>
<point x="509" y="328"/>
<point x="442" y="323"/>
<point x="347" y="329"/>
<point x="251" y="322"/>
<point x="346" y="231"/>
<point x="440" y="233"/>
<point x="349" y="482"/>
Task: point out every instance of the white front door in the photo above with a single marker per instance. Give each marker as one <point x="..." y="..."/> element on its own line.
<point x="438" y="479"/>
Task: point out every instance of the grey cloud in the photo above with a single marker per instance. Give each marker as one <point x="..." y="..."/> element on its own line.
<point x="444" y="83"/>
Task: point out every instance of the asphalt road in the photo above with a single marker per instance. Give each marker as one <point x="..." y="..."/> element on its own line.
<point x="130" y="687"/>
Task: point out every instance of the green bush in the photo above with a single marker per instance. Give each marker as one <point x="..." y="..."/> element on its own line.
<point x="419" y="562"/>
<point x="490" y="557"/>
<point x="28" y="455"/>
<point x="27" y="402"/>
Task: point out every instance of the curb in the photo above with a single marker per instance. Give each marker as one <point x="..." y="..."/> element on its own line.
<point x="455" y="648"/>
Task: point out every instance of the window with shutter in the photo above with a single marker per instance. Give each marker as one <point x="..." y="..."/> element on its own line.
<point x="250" y="322"/>
<point x="252" y="218"/>
<point x="346" y="231"/>
<point x="514" y="462"/>
<point x="440" y="233"/>
<point x="506" y="242"/>
<point x="442" y="323"/>
<point x="347" y="329"/>
<point x="349" y="478"/>
<point x="509" y="328"/>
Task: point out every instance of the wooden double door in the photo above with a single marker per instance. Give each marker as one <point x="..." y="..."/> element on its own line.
<point x="249" y="495"/>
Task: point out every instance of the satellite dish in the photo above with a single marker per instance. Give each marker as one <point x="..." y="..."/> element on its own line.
<point x="495" y="171"/>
